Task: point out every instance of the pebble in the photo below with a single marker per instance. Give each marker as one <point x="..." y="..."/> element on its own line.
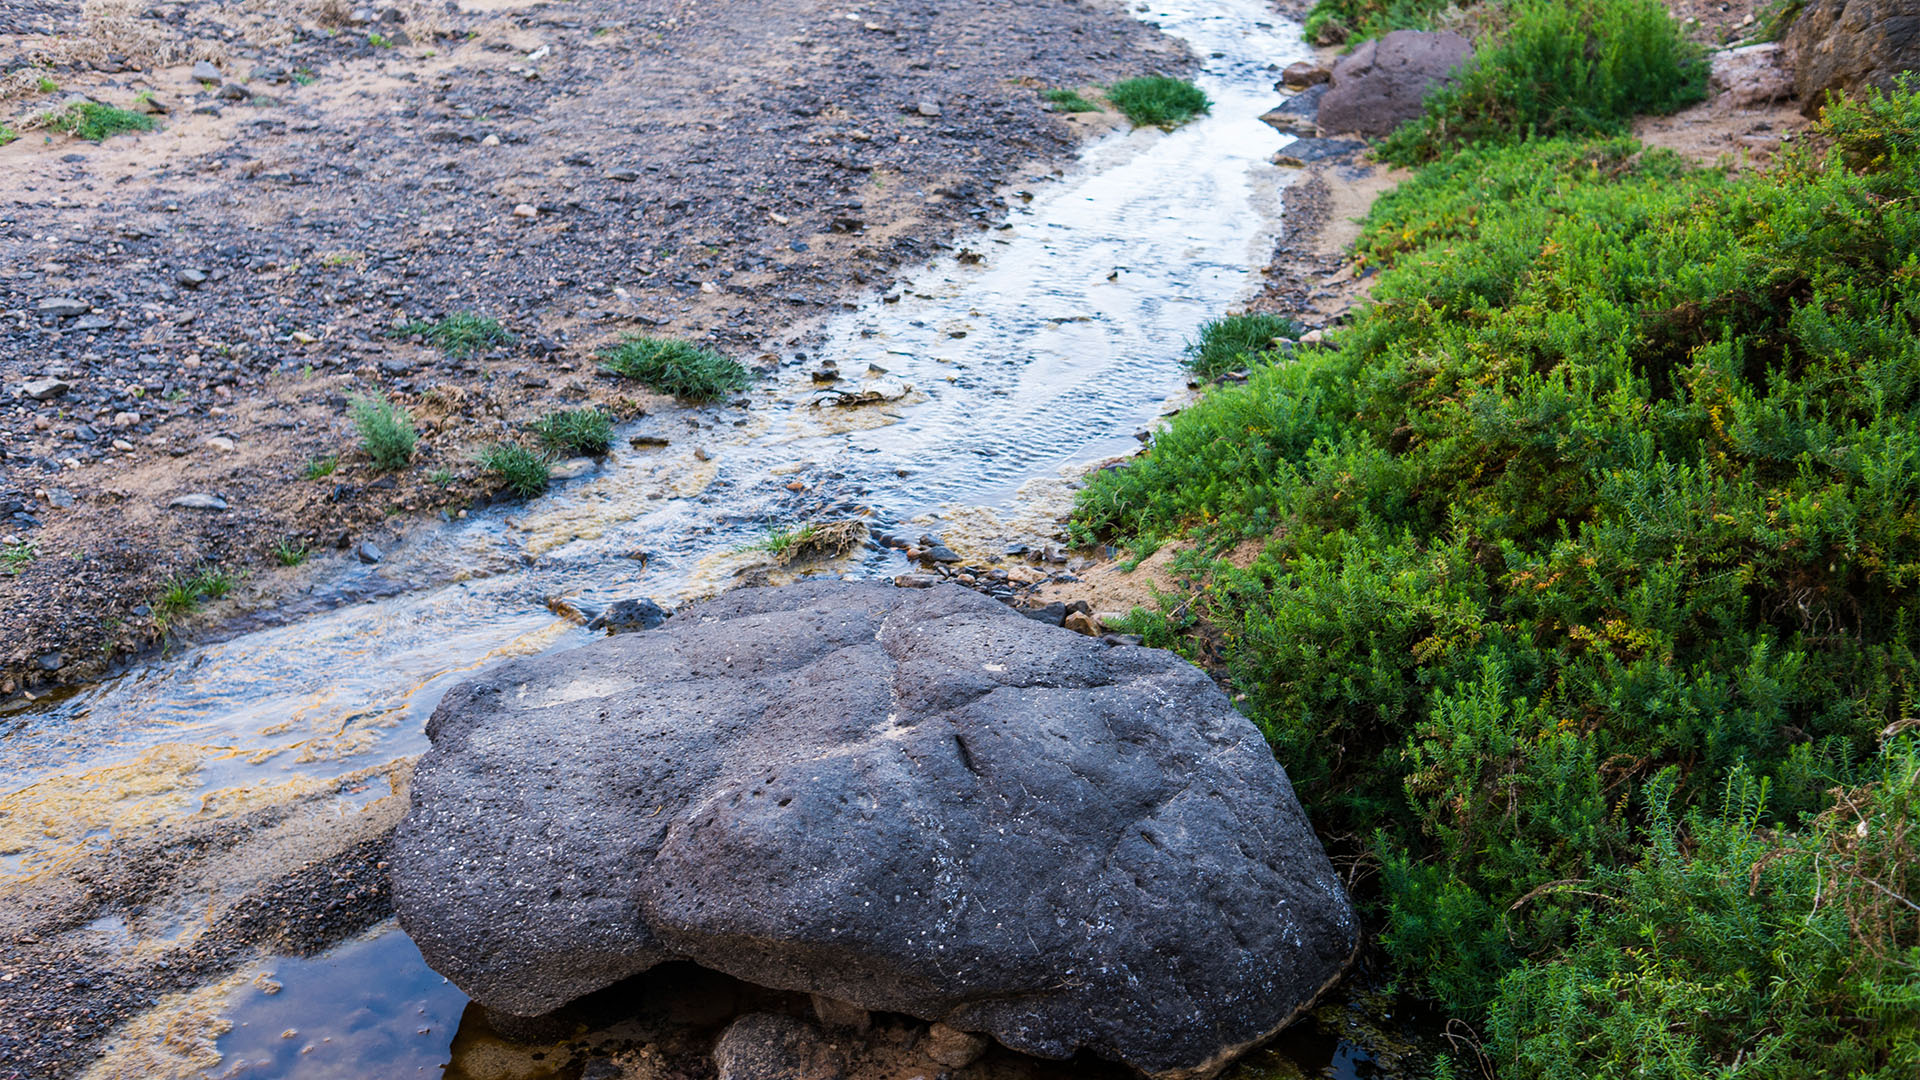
<point x="572" y="468"/>
<point x="123" y="446"/>
<point x="368" y="552"/>
<point x="52" y="661"/>
<point x="45" y="389"/>
<point x="64" y="307"/>
<point x="494" y="140"/>
<point x="927" y="108"/>
<point x="125" y="420"/>
<point x="220" y="443"/>
<point x="525" y="210"/>
<point x="199" y="500"/>
<point x="204" y="71"/>
<point x="190" y="277"/>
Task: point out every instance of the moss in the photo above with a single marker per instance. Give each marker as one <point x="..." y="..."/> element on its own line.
<point x="1158" y="101"/>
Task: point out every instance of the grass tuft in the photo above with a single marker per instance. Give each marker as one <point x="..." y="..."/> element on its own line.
<point x="819" y="540"/>
<point x="1071" y="101"/>
<point x="7" y="134"/>
<point x="575" y="432"/>
<point x="1235" y="341"/>
<point x="93" y="121"/>
<point x="184" y="593"/>
<point x="386" y="431"/>
<point x="521" y="472"/>
<point x="321" y="467"/>
<point x="680" y="368"/>
<point x="17" y="557"/>
<point x="289" y="553"/>
<point x="1158" y="101"/>
<point x="461" y="334"/>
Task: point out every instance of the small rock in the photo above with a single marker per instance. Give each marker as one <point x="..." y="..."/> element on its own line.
<point x="368" y="552"/>
<point x="199" y="500"/>
<point x="153" y="105"/>
<point x="204" y="71"/>
<point x="494" y="140"/>
<point x="916" y="581"/>
<point x="125" y="420"/>
<point x="1305" y="73"/>
<point x="767" y="1046"/>
<point x="44" y="389"/>
<point x="627" y="616"/>
<point x="838" y="1014"/>
<point x="61" y="498"/>
<point x="52" y="661"/>
<point x="220" y="443"/>
<point x="64" y="307"/>
<point x="953" y="1048"/>
<point x="927" y="108"/>
<point x="233" y="92"/>
<point x="525" y="210"/>
<point x="209" y="109"/>
<point x="1082" y="623"/>
<point x="941" y="553"/>
<point x="646" y="442"/>
<point x="123" y="446"/>
<point x="625" y="176"/>
<point x="572" y="468"/>
<point x="190" y="277"/>
<point x="1054" y="614"/>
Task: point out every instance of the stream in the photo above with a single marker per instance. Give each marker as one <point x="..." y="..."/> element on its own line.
<point x="1041" y="344"/>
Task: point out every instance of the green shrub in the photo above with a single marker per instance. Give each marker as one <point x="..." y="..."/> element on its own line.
<point x="1332" y="22"/>
<point x="521" y="472"/>
<point x="1158" y="101"/>
<point x="289" y="553"/>
<point x="1559" y="67"/>
<point x="7" y="134"/>
<point x="576" y="432"/>
<point x="680" y="368"/>
<point x="94" y="122"/>
<point x="184" y="593"/>
<point x="386" y="431"/>
<point x="1233" y="341"/>
<point x="1619" y="472"/>
<point x="18" y="556"/>
<point x="1070" y="101"/>
<point x="461" y="334"/>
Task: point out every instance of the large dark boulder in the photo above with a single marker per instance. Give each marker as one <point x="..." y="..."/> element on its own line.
<point x="1383" y="83"/>
<point x="1845" y="46"/>
<point x="913" y="801"/>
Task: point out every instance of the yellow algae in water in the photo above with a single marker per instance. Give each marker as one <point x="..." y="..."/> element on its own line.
<point x="63" y="810"/>
<point x="980" y="533"/>
<point x="176" y="1039"/>
<point x="617" y="498"/>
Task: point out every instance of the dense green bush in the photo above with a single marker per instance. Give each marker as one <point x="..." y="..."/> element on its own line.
<point x="576" y="432"/>
<point x="1229" y="342"/>
<point x="1618" y="479"/>
<point x="386" y="431"/>
<point x="671" y="366"/>
<point x="519" y="471"/>
<point x="1559" y="67"/>
<point x="95" y="122"/>
<point x="1158" y="101"/>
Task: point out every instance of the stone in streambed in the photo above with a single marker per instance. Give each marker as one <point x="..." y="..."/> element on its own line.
<point x="912" y="801"/>
<point x="1384" y="83"/>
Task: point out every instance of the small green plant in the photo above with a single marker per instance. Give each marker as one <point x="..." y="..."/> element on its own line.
<point x="461" y="334"/>
<point x="521" y="472"/>
<point x="47" y="86"/>
<point x="1333" y="22"/>
<point x="827" y="539"/>
<point x="94" y="122"/>
<point x="1229" y="343"/>
<point x="321" y="467"/>
<point x="680" y="368"/>
<point x="1070" y="101"/>
<point x="289" y="553"/>
<point x="7" y="134"/>
<point x="17" y="557"/>
<point x="442" y="477"/>
<point x="575" y="432"/>
<point x="380" y="41"/>
<point x="779" y="541"/>
<point x="386" y="431"/>
<point x="185" y="593"/>
<point x="304" y="77"/>
<point x="1158" y="101"/>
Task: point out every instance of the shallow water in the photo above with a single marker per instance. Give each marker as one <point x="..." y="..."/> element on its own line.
<point x="1044" y="344"/>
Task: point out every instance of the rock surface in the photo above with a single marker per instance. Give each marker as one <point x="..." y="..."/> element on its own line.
<point x="1848" y="45"/>
<point x="1381" y="84"/>
<point x="909" y="801"/>
<point x="1750" y="75"/>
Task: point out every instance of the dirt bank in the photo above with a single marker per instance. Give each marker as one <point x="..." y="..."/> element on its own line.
<point x="211" y="293"/>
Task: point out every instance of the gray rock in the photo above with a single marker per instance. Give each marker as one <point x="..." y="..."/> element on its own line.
<point x="1299" y="114"/>
<point x="1381" y="84"/>
<point x="368" y="552"/>
<point x="1301" y="152"/>
<point x="927" y="108"/>
<point x="908" y="801"/>
<point x="1845" y="46"/>
<point x="190" y="278"/>
<point x="626" y="616"/>
<point x="52" y="661"/>
<point x="1750" y="75"/>
<point x="232" y="92"/>
<point x="199" y="500"/>
<point x="1304" y="73"/>
<point x="63" y="307"/>
<point x="203" y="71"/>
<point x="208" y="109"/>
<point x="769" y="1046"/>
<point x="45" y="389"/>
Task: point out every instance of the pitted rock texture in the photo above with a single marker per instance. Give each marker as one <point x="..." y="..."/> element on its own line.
<point x="1383" y="83"/>
<point x="915" y="801"/>
<point x="1845" y="46"/>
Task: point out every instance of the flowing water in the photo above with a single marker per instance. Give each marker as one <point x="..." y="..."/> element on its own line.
<point x="1046" y="343"/>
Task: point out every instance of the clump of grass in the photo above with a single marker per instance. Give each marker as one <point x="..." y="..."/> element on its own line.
<point x="1158" y="101"/>
<point x="289" y="553"/>
<point x="1070" y="101"/>
<point x="93" y="121"/>
<point x="380" y="41"/>
<point x="575" y="432"/>
<point x="461" y="334"/>
<point x="322" y="467"/>
<point x="47" y="86"/>
<point x="1332" y="22"/>
<point x="1229" y="343"/>
<point x="1559" y="67"/>
<point x="442" y="477"/>
<point x="17" y="557"/>
<point x="7" y="134"/>
<point x="386" y="431"/>
<point x="521" y="472"/>
<point x="817" y="540"/>
<point x="680" y="368"/>
<point x="184" y="593"/>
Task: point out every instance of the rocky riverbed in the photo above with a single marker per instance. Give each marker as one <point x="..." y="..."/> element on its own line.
<point x="184" y="313"/>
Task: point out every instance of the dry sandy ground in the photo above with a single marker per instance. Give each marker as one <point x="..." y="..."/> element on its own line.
<point x="212" y="293"/>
